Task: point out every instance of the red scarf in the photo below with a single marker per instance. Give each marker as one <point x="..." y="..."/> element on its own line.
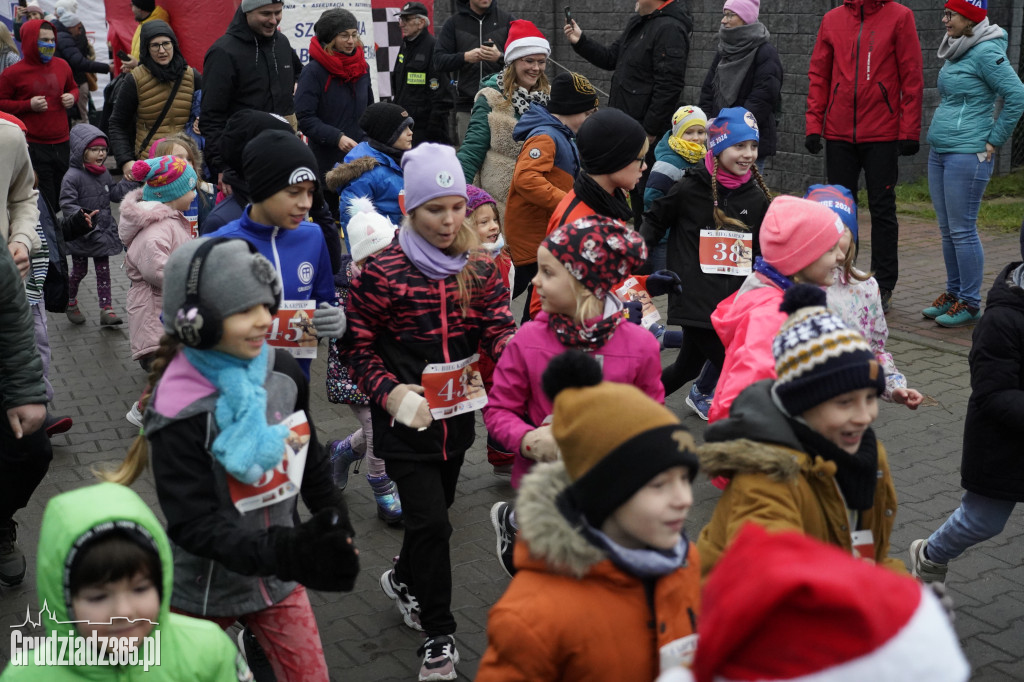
<point x="346" y="67"/>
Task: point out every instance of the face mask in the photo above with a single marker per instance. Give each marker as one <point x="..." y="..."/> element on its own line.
<point x="46" y="51"/>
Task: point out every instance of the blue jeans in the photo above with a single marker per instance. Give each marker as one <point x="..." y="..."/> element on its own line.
<point x="978" y="518"/>
<point x="957" y="183"/>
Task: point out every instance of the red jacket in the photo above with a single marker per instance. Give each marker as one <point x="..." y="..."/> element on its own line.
<point x="866" y="79"/>
<point x="570" y="209"/>
<point x="30" y="77"/>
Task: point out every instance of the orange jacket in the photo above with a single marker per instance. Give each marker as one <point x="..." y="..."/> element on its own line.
<point x="538" y="185"/>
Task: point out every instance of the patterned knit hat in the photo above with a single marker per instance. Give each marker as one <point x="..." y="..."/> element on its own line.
<point x="972" y="10"/>
<point x="598" y="251"/>
<point x="730" y="127"/>
<point x="166" y="178"/>
<point x="524" y="39"/>
<point x="687" y="117"/>
<point x="840" y="200"/>
<point x="613" y="437"/>
<point x="572" y="93"/>
<point x="476" y="197"/>
<point x="817" y="357"/>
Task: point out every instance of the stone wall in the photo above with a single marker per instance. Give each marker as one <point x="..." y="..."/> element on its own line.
<point x="793" y="25"/>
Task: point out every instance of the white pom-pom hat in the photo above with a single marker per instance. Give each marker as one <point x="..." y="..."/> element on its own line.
<point x="368" y="231"/>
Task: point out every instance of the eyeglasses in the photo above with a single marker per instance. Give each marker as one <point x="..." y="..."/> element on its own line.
<point x="166" y="46"/>
<point x="98" y="150"/>
<point x="349" y="35"/>
<point x="729" y="15"/>
<point x="641" y="160"/>
<point x="947" y="15"/>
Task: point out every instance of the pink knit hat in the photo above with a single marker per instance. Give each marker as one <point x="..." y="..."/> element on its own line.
<point x="796" y="232"/>
<point x="745" y="9"/>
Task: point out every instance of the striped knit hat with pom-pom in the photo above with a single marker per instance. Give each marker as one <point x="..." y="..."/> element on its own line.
<point x="166" y="178"/>
<point x="818" y="357"/>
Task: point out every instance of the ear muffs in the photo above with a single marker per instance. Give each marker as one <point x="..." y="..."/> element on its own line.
<point x="196" y="325"/>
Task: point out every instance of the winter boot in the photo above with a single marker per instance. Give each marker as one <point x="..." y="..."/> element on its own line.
<point x="385" y="494"/>
<point x="342" y="456"/>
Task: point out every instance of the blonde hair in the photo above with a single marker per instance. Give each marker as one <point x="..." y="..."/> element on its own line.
<point x="465" y="240"/>
<point x="329" y="47"/>
<point x="722" y="221"/>
<point x="195" y="157"/>
<point x="508" y="78"/>
<point x="7" y="43"/>
<point x="851" y="273"/>
<point x="137" y="459"/>
<point x="588" y="306"/>
<point x="470" y="219"/>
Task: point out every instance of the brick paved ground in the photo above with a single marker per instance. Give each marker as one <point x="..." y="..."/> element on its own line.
<point x="96" y="381"/>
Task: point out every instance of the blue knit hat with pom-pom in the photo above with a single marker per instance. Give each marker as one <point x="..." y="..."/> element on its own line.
<point x="166" y="178"/>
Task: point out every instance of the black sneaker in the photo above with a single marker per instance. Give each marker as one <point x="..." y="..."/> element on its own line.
<point x="886" y="295"/>
<point x="12" y="559"/>
<point x="505" y="533"/>
<point x="439" y="659"/>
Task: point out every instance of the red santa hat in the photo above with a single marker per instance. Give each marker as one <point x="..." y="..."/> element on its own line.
<point x="525" y="39"/>
<point x="782" y="606"/>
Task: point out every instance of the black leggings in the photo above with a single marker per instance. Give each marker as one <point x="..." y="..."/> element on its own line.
<point x="699" y="346"/>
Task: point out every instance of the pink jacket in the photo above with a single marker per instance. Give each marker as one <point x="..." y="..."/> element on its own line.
<point x="150" y="231"/>
<point x="631" y="356"/>
<point x="747" y="323"/>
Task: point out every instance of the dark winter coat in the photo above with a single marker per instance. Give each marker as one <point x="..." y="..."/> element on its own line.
<point x="424" y="91"/>
<point x="243" y="71"/>
<point x="759" y="94"/>
<point x="327" y="109"/>
<point x="649" y="61"/>
<point x="994" y="428"/>
<point x="21" y="369"/>
<point x="83" y="190"/>
<point x="465" y="31"/>
<point x="399" y="321"/>
<point x="69" y="49"/>
<point x="686" y="210"/>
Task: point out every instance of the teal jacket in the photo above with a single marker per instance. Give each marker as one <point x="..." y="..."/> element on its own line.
<point x="968" y="88"/>
<point x="190" y="648"/>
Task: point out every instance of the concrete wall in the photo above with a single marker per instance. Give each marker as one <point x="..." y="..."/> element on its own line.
<point x="793" y="25"/>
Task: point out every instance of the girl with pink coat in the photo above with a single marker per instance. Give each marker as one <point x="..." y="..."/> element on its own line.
<point x="152" y="226"/>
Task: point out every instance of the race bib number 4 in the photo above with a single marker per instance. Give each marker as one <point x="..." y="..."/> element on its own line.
<point x="293" y="330"/>
<point x="726" y="252"/>
<point x="453" y="388"/>
<point x="284" y="480"/>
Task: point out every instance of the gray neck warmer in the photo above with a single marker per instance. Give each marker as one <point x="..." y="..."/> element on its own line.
<point x="955" y="48"/>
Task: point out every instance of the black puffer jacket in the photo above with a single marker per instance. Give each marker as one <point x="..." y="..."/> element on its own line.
<point x="465" y="31"/>
<point x="21" y="369"/>
<point x="685" y="211"/>
<point x="70" y="50"/>
<point x="244" y="71"/>
<point x="649" y="61"/>
<point x="759" y="94"/>
<point x="992" y="464"/>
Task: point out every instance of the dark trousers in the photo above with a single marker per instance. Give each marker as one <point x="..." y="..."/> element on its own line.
<point x="880" y="162"/>
<point x="50" y="162"/>
<point x="23" y="464"/>
<point x="699" y="346"/>
<point x="427" y="490"/>
<point x="522" y="284"/>
<point x="636" y="195"/>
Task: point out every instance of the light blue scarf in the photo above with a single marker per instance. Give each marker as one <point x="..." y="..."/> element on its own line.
<point x="246" y="446"/>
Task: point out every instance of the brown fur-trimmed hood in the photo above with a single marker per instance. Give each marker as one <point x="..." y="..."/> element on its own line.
<point x="745" y="456"/>
<point x="345" y="173"/>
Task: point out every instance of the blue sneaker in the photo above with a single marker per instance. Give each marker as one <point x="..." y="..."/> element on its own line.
<point x="959" y="315"/>
<point x="341" y="456"/>
<point x="700" y="402"/>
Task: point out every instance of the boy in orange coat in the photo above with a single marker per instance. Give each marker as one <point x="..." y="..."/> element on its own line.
<point x="607" y="585"/>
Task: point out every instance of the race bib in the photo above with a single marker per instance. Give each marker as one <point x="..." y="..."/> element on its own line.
<point x="726" y="252"/>
<point x="293" y="330"/>
<point x="631" y="290"/>
<point x="284" y="480"/>
<point x="193" y="225"/>
<point x="863" y="542"/>
<point x="453" y="388"/>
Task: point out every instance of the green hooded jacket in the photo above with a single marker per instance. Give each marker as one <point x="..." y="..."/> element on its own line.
<point x="191" y="650"/>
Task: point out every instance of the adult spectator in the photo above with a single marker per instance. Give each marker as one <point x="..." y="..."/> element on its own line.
<point x="333" y="92"/>
<point x="23" y="14"/>
<point x="488" y="149"/>
<point x="39" y="90"/>
<point x="155" y="99"/>
<point x="9" y="53"/>
<point x="866" y="74"/>
<point x="648" y="61"/>
<point x="467" y="49"/>
<point x="416" y="85"/>
<point x="74" y="48"/>
<point x="251" y="66"/>
<point x="143" y="11"/>
<point x="745" y="72"/>
<point x="964" y="138"/>
<point x="17" y="185"/>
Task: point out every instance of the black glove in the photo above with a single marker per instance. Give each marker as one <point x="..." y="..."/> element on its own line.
<point x="318" y="553"/>
<point x="634" y="311"/>
<point x="663" y="282"/>
<point x="909" y="147"/>
<point x="813" y="143"/>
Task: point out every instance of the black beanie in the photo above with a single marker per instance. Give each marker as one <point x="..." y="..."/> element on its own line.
<point x="572" y="93"/>
<point x="332" y="22"/>
<point x="608" y="141"/>
<point x="274" y="160"/>
<point x="384" y="122"/>
<point x="147" y="5"/>
<point x="242" y="127"/>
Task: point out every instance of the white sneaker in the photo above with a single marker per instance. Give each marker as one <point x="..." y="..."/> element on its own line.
<point x="406" y="603"/>
<point x="923" y="568"/>
<point x="134" y="415"/>
<point x="439" y="659"/>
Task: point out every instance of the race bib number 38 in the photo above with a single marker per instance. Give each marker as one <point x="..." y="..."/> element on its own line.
<point x="453" y="388"/>
<point x="726" y="252"/>
<point x="293" y="330"/>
